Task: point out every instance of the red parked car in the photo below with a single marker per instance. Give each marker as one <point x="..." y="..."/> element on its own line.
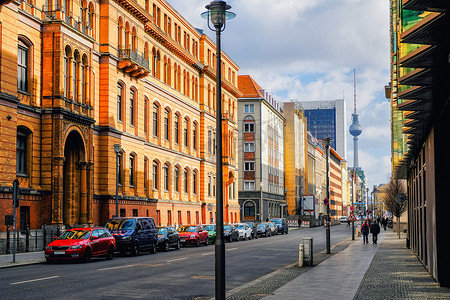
<point x="193" y="235"/>
<point x="81" y="243"/>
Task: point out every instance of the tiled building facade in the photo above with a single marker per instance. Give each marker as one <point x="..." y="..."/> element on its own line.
<point x="78" y="77"/>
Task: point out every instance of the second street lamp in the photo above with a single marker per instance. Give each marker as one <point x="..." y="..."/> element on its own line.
<point x="326" y="142"/>
<point x="217" y="13"/>
<point x="117" y="151"/>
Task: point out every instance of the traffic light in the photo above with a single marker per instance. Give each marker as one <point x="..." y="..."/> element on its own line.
<point x="16" y="193"/>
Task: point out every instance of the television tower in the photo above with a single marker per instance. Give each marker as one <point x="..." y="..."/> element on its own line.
<point x="355" y="129"/>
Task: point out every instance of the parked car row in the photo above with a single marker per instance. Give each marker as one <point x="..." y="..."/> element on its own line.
<point x="136" y="234"/>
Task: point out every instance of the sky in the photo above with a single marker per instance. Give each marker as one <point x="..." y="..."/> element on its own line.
<point x="307" y="50"/>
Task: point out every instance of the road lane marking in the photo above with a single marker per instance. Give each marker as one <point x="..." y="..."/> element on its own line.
<point x="119" y="267"/>
<point x="176" y="259"/>
<point x="33" y="280"/>
<point x="208" y="253"/>
<point x="231" y="249"/>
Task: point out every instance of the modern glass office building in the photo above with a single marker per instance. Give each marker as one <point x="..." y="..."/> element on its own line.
<point x="327" y="119"/>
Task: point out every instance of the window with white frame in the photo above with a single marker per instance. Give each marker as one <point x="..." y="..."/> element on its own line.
<point x="249" y="185"/>
<point x="249" y="108"/>
<point x="249" y="127"/>
<point x="249" y="166"/>
<point x="249" y="147"/>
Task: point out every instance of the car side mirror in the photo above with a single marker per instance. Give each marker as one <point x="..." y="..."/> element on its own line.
<point x="94" y="237"/>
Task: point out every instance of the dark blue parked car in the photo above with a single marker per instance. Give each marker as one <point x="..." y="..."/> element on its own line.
<point x="168" y="237"/>
<point x="133" y="234"/>
<point x="281" y="224"/>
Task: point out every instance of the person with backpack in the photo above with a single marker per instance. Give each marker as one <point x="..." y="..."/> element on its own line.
<point x="365" y="232"/>
<point x="375" y="230"/>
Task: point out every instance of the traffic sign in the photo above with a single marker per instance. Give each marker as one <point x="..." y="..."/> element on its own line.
<point x="352" y="208"/>
<point x="325" y="201"/>
<point x="352" y="217"/>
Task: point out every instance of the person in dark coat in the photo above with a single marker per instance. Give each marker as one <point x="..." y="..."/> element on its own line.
<point x="384" y="222"/>
<point x="375" y="230"/>
<point x="365" y="232"/>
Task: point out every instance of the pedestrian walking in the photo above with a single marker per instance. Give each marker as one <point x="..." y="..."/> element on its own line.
<point x="375" y="230"/>
<point x="348" y="223"/>
<point x="384" y="223"/>
<point x="365" y="232"/>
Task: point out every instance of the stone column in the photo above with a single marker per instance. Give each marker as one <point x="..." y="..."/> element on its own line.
<point x="83" y="193"/>
<point x="57" y="190"/>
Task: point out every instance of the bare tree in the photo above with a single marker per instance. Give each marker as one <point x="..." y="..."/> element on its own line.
<point x="390" y="191"/>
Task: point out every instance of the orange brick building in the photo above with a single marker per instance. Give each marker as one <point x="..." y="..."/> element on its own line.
<point x="77" y="77"/>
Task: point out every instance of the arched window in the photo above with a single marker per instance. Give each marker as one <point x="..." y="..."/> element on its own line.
<point x="134" y="39"/>
<point x="176" y="178"/>
<point x="166" y="124"/>
<point x="120" y="34"/>
<point x="194" y="136"/>
<point x="66" y="84"/>
<point x="75" y="75"/>
<point x="22" y="151"/>
<point x="185" y="180"/>
<point x="249" y="209"/>
<point x="249" y="124"/>
<point x="132" y="176"/>
<point x="209" y="140"/>
<point x="176" y="129"/>
<point x="146" y="173"/>
<point x="194" y="182"/>
<point x="166" y="177"/>
<point x="185" y="131"/>
<point x="155" y="175"/>
<point x="132" y="106"/>
<point x="91" y="16"/>
<point x="119" y="102"/>
<point x="127" y="36"/>
<point x="146" y="52"/>
<point x="23" y="67"/>
<point x="155" y="120"/>
<point x="84" y="80"/>
<point x="175" y="77"/>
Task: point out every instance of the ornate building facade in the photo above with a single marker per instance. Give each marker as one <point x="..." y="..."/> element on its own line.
<point x="78" y="77"/>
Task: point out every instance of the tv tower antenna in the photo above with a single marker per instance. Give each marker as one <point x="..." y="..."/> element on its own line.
<point x="355" y="129"/>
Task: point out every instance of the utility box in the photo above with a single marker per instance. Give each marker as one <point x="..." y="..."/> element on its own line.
<point x="307" y="251"/>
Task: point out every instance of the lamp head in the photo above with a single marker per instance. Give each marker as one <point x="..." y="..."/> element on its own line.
<point x="326" y="142"/>
<point x="117" y="148"/>
<point x="217" y="13"/>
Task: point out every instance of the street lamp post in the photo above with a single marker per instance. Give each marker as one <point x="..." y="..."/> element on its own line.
<point x="217" y="12"/>
<point x="117" y="151"/>
<point x="326" y="142"/>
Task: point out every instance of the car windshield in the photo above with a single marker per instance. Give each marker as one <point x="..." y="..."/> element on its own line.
<point x="250" y="224"/>
<point x="276" y="221"/>
<point x="121" y="224"/>
<point x="261" y="225"/>
<point x="162" y="231"/>
<point x="226" y="227"/>
<point x="75" y="235"/>
<point x="270" y="224"/>
<point x="210" y="227"/>
<point x="188" y="229"/>
<point x="240" y="226"/>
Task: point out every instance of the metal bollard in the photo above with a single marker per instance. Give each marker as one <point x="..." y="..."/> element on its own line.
<point x="300" y="255"/>
<point x="27" y="239"/>
<point x="44" y="237"/>
<point x="35" y="241"/>
<point x="308" y="251"/>
<point x="8" y="232"/>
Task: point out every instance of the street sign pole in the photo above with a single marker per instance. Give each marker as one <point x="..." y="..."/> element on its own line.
<point x="15" y="202"/>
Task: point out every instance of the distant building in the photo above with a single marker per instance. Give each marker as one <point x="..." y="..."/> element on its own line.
<point x="327" y="119"/>
<point x="295" y="159"/>
<point x="261" y="153"/>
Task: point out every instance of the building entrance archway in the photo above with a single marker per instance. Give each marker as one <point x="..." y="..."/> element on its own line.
<point x="74" y="202"/>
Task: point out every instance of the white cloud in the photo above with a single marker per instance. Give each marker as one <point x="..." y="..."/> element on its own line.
<point x="307" y="50"/>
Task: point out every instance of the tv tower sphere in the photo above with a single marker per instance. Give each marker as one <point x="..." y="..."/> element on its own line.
<point x="355" y="129"/>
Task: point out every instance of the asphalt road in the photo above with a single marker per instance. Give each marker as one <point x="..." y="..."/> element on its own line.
<point x="178" y="274"/>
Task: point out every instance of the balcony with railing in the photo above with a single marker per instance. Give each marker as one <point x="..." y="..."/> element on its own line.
<point x="57" y="12"/>
<point x="133" y="63"/>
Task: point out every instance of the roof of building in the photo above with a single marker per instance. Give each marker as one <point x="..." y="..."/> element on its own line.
<point x="249" y="88"/>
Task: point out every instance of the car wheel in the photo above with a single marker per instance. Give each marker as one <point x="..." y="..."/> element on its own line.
<point x="87" y="255"/>
<point x="206" y="242"/>
<point x="110" y="253"/>
<point x="153" y="248"/>
<point x="166" y="246"/>
<point x="178" y="246"/>
<point x="197" y="244"/>
<point x="135" y="250"/>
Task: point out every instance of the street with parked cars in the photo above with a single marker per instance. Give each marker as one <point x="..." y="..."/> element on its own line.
<point x="176" y="274"/>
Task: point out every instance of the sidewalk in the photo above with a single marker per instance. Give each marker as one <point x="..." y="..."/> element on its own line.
<point x="387" y="270"/>
<point x="26" y="258"/>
